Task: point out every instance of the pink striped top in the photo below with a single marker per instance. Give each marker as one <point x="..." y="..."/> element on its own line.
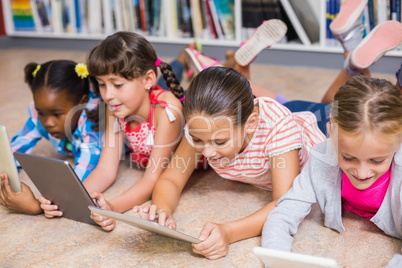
<point x="278" y="131"/>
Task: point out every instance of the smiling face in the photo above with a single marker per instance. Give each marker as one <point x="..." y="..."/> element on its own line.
<point x="365" y="157"/>
<point x="53" y="111"/>
<point x="123" y="97"/>
<point x="217" y="138"/>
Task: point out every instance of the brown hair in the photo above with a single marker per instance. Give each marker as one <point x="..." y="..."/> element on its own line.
<point x="129" y="55"/>
<point x="368" y="104"/>
<point x="220" y="91"/>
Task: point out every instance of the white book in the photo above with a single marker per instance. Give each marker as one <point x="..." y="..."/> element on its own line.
<point x="35" y="14"/>
<point x="382" y="11"/>
<point x="94" y="13"/>
<point x="107" y="17"/>
<point x="295" y="22"/>
<point x="196" y="18"/>
<point x="81" y="13"/>
<point x="215" y="19"/>
<point x="118" y="15"/>
<point x="170" y="18"/>
<point x="56" y="9"/>
<point x="131" y="15"/>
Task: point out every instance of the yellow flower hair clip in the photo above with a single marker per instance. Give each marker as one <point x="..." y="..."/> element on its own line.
<point x="36" y="70"/>
<point x="81" y="70"/>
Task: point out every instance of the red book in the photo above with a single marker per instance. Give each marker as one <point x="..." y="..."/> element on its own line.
<point x="143" y="18"/>
<point x="2" y="24"/>
<point x="210" y="19"/>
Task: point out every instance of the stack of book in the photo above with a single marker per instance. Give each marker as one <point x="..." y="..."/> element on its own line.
<point x="210" y="19"/>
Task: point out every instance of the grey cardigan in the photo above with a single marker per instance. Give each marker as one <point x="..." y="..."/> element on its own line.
<point x="320" y="181"/>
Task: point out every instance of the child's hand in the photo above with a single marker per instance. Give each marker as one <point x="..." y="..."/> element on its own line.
<point x="215" y="241"/>
<point x="106" y="223"/>
<point x="51" y="210"/>
<point x="152" y="213"/>
<point x="22" y="202"/>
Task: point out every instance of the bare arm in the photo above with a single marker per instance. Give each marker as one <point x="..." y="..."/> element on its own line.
<point x="251" y="226"/>
<point x="105" y="172"/>
<point x="168" y="188"/>
<point x="167" y="137"/>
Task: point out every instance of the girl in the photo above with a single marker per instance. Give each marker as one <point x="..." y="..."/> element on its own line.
<point x="256" y="141"/>
<point x="63" y="112"/>
<point x="149" y="118"/>
<point x="358" y="169"/>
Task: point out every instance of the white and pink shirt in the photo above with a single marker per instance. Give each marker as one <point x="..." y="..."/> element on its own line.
<point x="278" y="131"/>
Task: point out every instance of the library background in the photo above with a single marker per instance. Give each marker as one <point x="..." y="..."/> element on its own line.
<point x="218" y="24"/>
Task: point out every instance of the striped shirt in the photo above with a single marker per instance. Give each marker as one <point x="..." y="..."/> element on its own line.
<point x="278" y="131"/>
<point x="86" y="144"/>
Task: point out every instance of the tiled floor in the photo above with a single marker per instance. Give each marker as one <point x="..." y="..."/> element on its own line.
<point x="34" y="241"/>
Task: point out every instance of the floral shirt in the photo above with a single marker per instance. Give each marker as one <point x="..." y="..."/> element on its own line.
<point x="141" y="139"/>
<point x="86" y="144"/>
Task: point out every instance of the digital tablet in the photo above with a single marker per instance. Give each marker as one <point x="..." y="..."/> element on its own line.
<point x="56" y="181"/>
<point x="146" y="225"/>
<point x="282" y="259"/>
<point x="7" y="161"/>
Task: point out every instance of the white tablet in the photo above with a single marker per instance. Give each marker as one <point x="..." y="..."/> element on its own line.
<point x="282" y="259"/>
<point x="146" y="225"/>
<point x="7" y="161"/>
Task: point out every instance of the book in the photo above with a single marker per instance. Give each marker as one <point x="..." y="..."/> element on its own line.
<point x="22" y="15"/>
<point x="117" y="15"/>
<point x="36" y="17"/>
<point x="185" y="20"/>
<point x="94" y="13"/>
<point x="382" y="11"/>
<point x="156" y="18"/>
<point x="210" y="21"/>
<point x="56" y="16"/>
<point x="307" y="19"/>
<point x="197" y="23"/>
<point x="69" y="23"/>
<point x="132" y="15"/>
<point x="295" y="22"/>
<point x="372" y="14"/>
<point x="169" y="24"/>
<point x="143" y="19"/>
<point x="215" y="19"/>
<point x="225" y="9"/>
<point x="108" y="25"/>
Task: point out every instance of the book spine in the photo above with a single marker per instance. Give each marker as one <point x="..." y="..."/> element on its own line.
<point x="214" y="34"/>
<point x="215" y="19"/>
<point x="22" y="16"/>
<point x="143" y="19"/>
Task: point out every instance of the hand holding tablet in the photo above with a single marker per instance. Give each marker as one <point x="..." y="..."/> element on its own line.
<point x="146" y="225"/>
<point x="7" y="161"/>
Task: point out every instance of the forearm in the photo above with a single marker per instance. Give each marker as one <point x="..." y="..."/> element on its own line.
<point x="250" y="226"/>
<point x="99" y="180"/>
<point x="137" y="194"/>
<point x="166" y="195"/>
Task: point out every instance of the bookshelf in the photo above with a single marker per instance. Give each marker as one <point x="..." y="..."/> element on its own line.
<point x="318" y="9"/>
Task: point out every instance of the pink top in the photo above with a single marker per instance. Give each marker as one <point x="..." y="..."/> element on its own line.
<point x="364" y="203"/>
<point x="141" y="138"/>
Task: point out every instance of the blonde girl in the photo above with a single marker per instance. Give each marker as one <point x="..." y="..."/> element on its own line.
<point x="359" y="168"/>
<point x="255" y="141"/>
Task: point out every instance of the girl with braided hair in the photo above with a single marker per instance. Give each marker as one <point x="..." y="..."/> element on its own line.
<point x="139" y="114"/>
